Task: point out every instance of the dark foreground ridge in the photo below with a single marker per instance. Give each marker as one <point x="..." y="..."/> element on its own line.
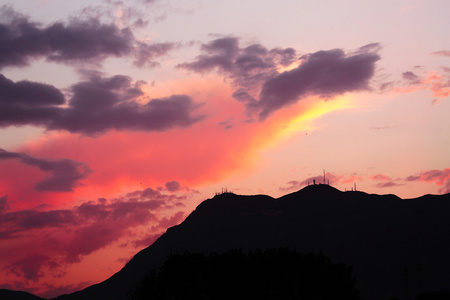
<point x="396" y="247"/>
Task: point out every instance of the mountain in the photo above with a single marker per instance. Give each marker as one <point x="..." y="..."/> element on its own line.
<point x="396" y="247"/>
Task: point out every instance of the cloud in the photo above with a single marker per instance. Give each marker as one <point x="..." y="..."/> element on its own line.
<point x="26" y="102"/>
<point x="87" y="41"/>
<point x="381" y="177"/>
<point x="29" y="267"/>
<point x="4" y="204"/>
<point x="439" y="177"/>
<point x="255" y="69"/>
<point x="87" y="228"/>
<point x="65" y="175"/>
<point x="97" y="105"/>
<point x="248" y="67"/>
<point x="24" y="220"/>
<point x="411" y="77"/>
<point x="220" y="53"/>
<point x="388" y="184"/>
<point x="173" y="186"/>
<point x="146" y="53"/>
<point x="386" y="181"/>
<point x="323" y="73"/>
<point x="437" y="82"/>
<point x="441" y="53"/>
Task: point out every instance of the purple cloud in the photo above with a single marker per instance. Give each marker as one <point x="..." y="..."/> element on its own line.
<point x="323" y="73"/>
<point x="254" y="70"/>
<point x="4" y="204"/>
<point x="96" y="106"/>
<point x="248" y="67"/>
<point x="411" y="77"/>
<point x="173" y="186"/>
<point x="388" y="184"/>
<point x="30" y="266"/>
<point x="26" y="102"/>
<point x="78" y="41"/>
<point x="65" y="175"/>
<point x="29" y="93"/>
<point x="146" y="53"/>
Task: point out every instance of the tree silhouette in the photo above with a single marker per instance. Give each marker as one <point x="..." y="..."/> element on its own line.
<point x="235" y="274"/>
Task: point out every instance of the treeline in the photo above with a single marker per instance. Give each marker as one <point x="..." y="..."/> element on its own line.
<point x="271" y="274"/>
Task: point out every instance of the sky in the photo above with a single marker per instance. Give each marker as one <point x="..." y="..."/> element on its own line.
<point x="117" y="118"/>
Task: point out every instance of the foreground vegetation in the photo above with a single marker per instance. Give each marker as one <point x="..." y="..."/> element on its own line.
<point x="270" y="274"/>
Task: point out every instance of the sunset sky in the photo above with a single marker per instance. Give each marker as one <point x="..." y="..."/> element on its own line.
<point x="117" y="118"/>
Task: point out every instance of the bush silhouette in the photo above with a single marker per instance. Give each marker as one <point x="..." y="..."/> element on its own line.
<point x="272" y="274"/>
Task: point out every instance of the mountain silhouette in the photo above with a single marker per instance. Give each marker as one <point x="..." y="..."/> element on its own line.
<point x="396" y="247"/>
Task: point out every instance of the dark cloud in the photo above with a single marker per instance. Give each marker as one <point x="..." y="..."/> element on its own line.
<point x="221" y="54"/>
<point x="33" y="219"/>
<point x="96" y="106"/>
<point x="29" y="93"/>
<point x="323" y="73"/>
<point x="30" y="266"/>
<point x="65" y="175"/>
<point x="173" y="186"/>
<point x="4" y="204"/>
<point x="411" y="78"/>
<point x="146" y="53"/>
<point x="78" y="41"/>
<point x="26" y="102"/>
<point x="255" y="69"/>
<point x="388" y="184"/>
<point x="248" y="67"/>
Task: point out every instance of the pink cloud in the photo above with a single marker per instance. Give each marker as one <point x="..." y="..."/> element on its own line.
<point x="439" y="177"/>
<point x="380" y="177"/>
<point x="441" y="53"/>
<point x="437" y="83"/>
